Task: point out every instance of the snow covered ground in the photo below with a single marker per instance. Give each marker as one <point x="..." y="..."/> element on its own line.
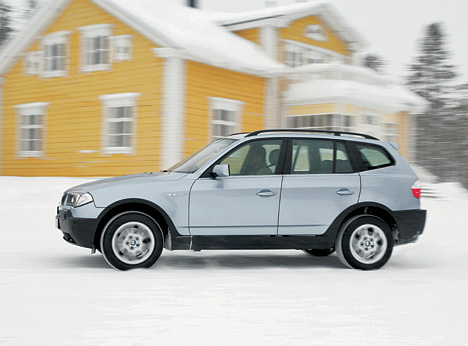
<point x="52" y="293"/>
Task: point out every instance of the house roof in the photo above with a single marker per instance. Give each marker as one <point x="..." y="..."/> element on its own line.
<point x="197" y="35"/>
<point x="390" y="97"/>
<point x="285" y="14"/>
<point x="168" y="25"/>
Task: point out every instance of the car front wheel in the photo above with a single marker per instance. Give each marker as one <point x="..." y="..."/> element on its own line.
<point x="365" y="242"/>
<point x="131" y="240"/>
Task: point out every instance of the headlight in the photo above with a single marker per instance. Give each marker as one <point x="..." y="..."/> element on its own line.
<point x="76" y="199"/>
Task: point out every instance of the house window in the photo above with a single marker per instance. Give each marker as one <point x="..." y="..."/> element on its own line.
<point x="225" y="116"/>
<point x="122" y="47"/>
<point x="31" y="129"/>
<point x="119" y="123"/>
<point x="33" y="63"/>
<point x="391" y="132"/>
<point x="55" y="48"/>
<point x="293" y="57"/>
<point x="96" y="47"/>
<point x="330" y="122"/>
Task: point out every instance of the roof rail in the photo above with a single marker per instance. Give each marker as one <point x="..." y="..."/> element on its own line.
<point x="336" y="133"/>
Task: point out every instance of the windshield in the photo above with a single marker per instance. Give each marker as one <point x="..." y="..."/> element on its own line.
<point x="202" y="156"/>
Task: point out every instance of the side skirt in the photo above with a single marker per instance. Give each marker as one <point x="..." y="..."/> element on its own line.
<point x="261" y="242"/>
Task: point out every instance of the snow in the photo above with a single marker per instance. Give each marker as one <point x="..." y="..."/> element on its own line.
<point x="227" y="18"/>
<point x="52" y="293"/>
<point x="193" y="32"/>
<point x="392" y="98"/>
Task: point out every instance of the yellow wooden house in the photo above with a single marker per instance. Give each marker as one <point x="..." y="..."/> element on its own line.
<point x="112" y="87"/>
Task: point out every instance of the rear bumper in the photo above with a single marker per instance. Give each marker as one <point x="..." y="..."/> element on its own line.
<point x="77" y="231"/>
<point x="410" y="225"/>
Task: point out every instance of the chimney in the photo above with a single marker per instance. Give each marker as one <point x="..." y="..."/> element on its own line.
<point x="271" y="3"/>
<point x="192" y="3"/>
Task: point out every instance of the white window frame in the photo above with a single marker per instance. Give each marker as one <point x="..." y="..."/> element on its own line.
<point x="27" y="110"/>
<point x="60" y="38"/>
<point x="33" y="63"/>
<point x="110" y="102"/>
<point x="120" y="42"/>
<point x="91" y="32"/>
<point x="310" y="54"/>
<point x="392" y="130"/>
<point x="217" y="105"/>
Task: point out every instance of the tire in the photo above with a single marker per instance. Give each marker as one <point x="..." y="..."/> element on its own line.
<point x="131" y="240"/>
<point x="319" y="252"/>
<point x="365" y="242"/>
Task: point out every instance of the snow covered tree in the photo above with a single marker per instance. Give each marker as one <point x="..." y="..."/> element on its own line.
<point x="373" y="61"/>
<point x="5" y="22"/>
<point x="431" y="74"/>
<point x="442" y="128"/>
<point x="31" y="8"/>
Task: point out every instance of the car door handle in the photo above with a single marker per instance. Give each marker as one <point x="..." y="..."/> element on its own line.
<point x="265" y="193"/>
<point x="345" y="192"/>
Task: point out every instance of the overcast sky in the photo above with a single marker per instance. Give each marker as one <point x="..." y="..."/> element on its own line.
<point x="390" y="27"/>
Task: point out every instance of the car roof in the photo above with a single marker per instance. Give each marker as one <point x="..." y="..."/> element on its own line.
<point x="306" y="133"/>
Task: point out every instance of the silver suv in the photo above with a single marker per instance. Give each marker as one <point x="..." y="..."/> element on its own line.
<point x="317" y="191"/>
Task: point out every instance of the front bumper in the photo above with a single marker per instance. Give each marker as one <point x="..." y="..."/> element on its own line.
<point x="410" y="225"/>
<point x="77" y="231"/>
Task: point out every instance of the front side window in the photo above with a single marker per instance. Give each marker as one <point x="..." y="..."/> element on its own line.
<point x="119" y="123"/>
<point x="31" y="129"/>
<point x="225" y="116"/>
<point x="254" y="158"/>
<point x="55" y="54"/>
<point x="315" y="156"/>
<point x="96" y="47"/>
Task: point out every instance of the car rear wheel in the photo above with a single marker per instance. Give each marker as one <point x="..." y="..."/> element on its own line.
<point x="365" y="242"/>
<point x="319" y="252"/>
<point x="131" y="240"/>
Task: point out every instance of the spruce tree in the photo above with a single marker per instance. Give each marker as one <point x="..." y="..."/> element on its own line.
<point x="434" y="78"/>
<point x="374" y="62"/>
<point x="31" y="8"/>
<point x="5" y="22"/>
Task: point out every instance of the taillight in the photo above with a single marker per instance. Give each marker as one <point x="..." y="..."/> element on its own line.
<point x="416" y="188"/>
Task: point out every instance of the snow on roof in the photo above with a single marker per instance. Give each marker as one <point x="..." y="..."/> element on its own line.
<point x="167" y="24"/>
<point x="227" y="18"/>
<point x="392" y="98"/>
<point x="193" y="31"/>
<point x="336" y="23"/>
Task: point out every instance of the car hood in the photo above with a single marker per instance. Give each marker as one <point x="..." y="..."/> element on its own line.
<point x="141" y="178"/>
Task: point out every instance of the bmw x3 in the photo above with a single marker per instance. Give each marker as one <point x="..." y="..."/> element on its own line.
<point x="316" y="191"/>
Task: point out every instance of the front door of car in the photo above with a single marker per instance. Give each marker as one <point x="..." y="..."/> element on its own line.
<point x="321" y="185"/>
<point x="247" y="201"/>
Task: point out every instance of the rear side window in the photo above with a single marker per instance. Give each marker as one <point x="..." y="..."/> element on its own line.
<point x="374" y="156"/>
<point x="315" y="156"/>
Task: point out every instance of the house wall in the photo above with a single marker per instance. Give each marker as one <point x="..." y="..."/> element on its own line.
<point x="250" y="34"/>
<point x="402" y="119"/>
<point x="204" y="81"/>
<point x="295" y="32"/>
<point x="73" y="133"/>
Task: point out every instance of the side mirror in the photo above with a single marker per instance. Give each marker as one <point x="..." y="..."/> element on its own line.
<point x="220" y="171"/>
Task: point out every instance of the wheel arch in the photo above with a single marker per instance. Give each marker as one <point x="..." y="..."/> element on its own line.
<point x="365" y="209"/>
<point x="137" y="205"/>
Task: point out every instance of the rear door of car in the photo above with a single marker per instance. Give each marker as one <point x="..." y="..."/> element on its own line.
<point x="321" y="185"/>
